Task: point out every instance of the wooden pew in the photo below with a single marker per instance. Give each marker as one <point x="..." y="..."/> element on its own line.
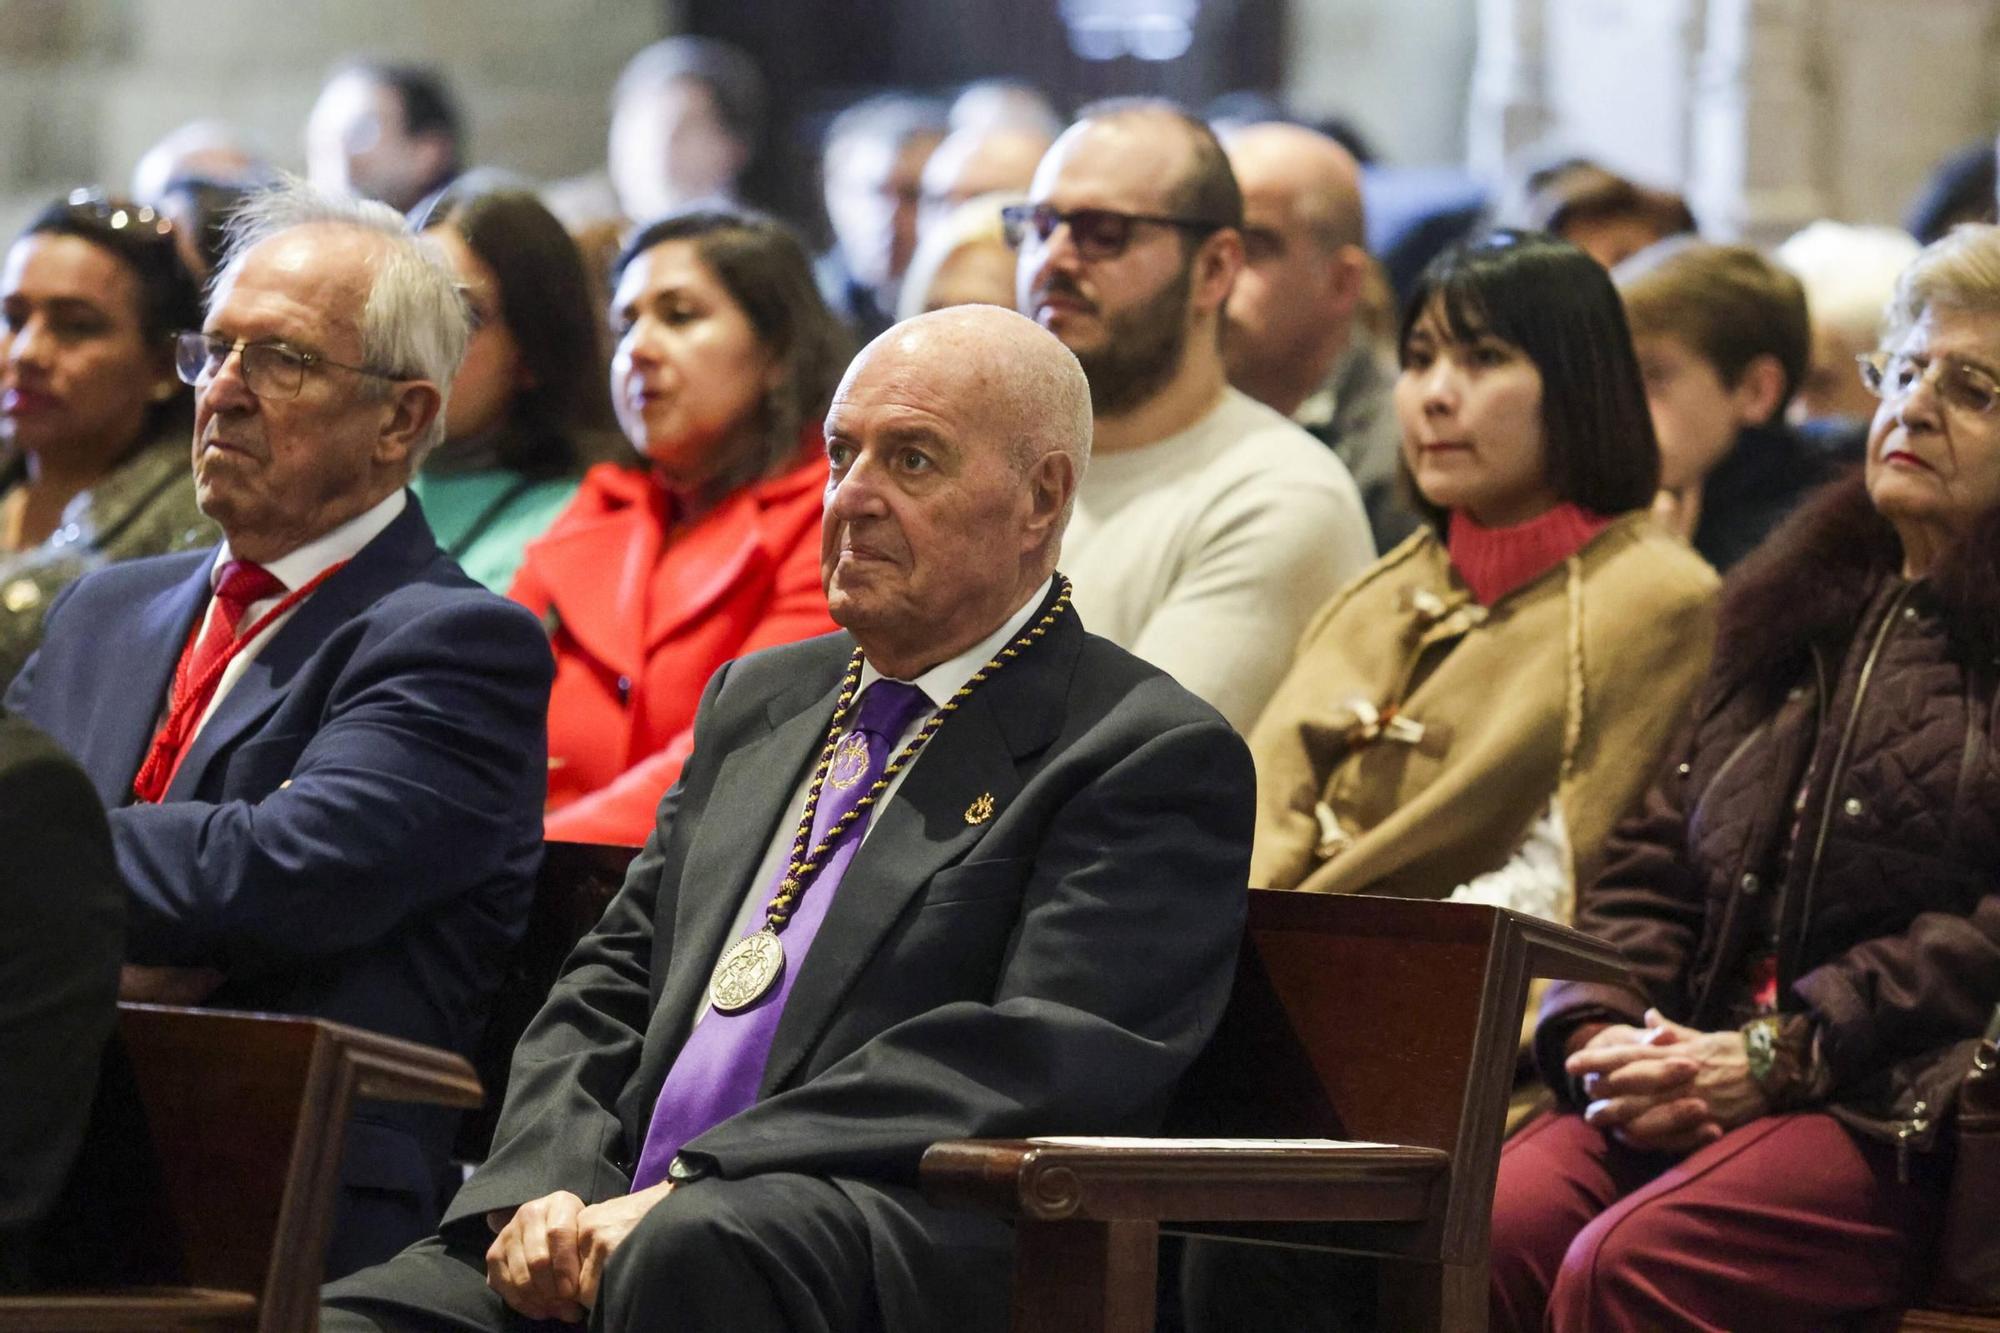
<point x="1353" y="1018"/>
<point x="576" y="883"/>
<point x="221" y="1167"/>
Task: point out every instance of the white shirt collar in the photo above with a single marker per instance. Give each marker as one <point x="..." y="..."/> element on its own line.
<point x="947" y="678"/>
<point x="297" y="568"/>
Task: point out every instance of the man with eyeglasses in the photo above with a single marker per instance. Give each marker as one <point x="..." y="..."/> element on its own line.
<point x="1296" y="340"/>
<point x="1209" y="528"/>
<point x="322" y="746"/>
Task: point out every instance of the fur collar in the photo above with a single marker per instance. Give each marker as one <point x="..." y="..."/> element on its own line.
<point x="1811" y="581"/>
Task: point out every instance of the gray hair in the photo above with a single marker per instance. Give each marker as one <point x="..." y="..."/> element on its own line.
<point x="413" y="325"/>
<point x="1849" y="274"/>
<point x="1960" y="271"/>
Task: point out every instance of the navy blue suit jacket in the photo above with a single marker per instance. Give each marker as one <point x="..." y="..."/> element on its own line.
<point x="355" y="832"/>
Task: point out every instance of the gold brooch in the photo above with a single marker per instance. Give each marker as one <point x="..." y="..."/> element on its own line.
<point x="980" y="810"/>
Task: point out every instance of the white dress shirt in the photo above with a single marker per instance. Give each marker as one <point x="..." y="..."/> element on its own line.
<point x="294" y="569"/>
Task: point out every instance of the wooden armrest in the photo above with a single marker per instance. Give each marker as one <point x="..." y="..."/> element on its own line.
<point x="386" y="1068"/>
<point x="1159" y="1180"/>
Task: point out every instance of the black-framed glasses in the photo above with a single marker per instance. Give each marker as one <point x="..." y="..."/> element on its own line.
<point x="270" y="370"/>
<point x="1892" y="376"/>
<point x="1097" y="233"/>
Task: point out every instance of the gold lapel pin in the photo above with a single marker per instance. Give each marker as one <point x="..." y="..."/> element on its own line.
<point x="980" y="810"/>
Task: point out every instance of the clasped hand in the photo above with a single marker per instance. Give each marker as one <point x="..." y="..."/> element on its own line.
<point x="1666" y="1087"/>
<point x="548" y="1256"/>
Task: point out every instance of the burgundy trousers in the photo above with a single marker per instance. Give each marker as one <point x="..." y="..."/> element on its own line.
<point x="1788" y="1222"/>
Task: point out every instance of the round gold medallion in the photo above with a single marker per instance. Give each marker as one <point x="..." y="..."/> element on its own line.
<point x="748" y="968"/>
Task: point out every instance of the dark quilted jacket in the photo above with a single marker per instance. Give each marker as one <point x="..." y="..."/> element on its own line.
<point x="1875" y="697"/>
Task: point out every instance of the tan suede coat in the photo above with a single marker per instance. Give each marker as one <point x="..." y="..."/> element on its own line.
<point x="1418" y="735"/>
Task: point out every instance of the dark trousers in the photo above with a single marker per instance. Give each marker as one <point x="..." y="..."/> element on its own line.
<point x="1788" y="1222"/>
<point x="777" y="1253"/>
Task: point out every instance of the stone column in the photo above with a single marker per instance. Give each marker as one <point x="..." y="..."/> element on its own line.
<point x="1509" y="108"/>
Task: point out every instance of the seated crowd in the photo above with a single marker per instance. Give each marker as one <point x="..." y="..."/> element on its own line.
<point x="1155" y="551"/>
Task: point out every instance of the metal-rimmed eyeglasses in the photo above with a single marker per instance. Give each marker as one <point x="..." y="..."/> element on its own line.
<point x="270" y="370"/>
<point x="1097" y="233"/>
<point x="1961" y="385"/>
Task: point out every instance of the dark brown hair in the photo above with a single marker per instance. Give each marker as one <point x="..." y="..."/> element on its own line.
<point x="545" y="304"/>
<point x="762" y="265"/>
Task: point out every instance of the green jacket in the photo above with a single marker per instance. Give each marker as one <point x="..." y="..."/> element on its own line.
<point x="145" y="506"/>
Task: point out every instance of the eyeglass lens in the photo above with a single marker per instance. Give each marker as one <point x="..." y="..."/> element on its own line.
<point x="269" y="371"/>
<point x="1097" y="233"/>
<point x="1959" y="384"/>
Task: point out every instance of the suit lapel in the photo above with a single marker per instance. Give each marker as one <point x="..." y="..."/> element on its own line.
<point x="123" y="721"/>
<point x="924" y="829"/>
<point x="379" y="568"/>
<point x="751" y="794"/>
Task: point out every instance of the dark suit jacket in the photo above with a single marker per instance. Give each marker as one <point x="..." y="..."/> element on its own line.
<point x="1052" y="970"/>
<point x="62" y="919"/>
<point x="355" y="832"/>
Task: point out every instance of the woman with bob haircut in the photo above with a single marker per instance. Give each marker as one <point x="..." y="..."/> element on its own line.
<point x="528" y="404"/>
<point x="1759" y="1130"/>
<point x="706" y="546"/>
<point x="1516" y="665"/>
<point x="94" y="423"/>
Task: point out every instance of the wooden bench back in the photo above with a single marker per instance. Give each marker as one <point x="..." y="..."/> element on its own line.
<point x="1386" y="1020"/>
<point x="576" y="883"/>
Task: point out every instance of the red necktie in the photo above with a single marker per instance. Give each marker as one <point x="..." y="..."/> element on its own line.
<point x="200" y="672"/>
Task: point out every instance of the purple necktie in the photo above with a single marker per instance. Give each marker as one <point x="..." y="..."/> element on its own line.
<point x="720" y="1065"/>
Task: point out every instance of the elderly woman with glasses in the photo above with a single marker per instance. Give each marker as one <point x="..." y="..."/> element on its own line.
<point x="1756" y="1129"/>
<point x="93" y="427"/>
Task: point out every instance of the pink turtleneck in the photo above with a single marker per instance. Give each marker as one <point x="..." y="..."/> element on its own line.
<point x="1495" y="561"/>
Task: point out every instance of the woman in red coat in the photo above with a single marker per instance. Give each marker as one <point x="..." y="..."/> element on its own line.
<point x="656" y="575"/>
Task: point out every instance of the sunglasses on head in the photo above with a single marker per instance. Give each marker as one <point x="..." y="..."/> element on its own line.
<point x="94" y="206"/>
<point x="1097" y="233"/>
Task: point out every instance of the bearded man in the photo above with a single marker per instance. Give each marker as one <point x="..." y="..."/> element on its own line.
<point x="1209" y="528"/>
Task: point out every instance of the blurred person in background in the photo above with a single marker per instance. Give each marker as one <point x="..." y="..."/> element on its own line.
<point x="1295" y="338"/>
<point x="706" y="547"/>
<point x="687" y="114"/>
<point x="1600" y="212"/>
<point x="1723" y="341"/>
<point x="1848" y="273"/>
<point x="1959" y="188"/>
<point x="872" y="168"/>
<point x="206" y="149"/>
<point x="963" y="259"/>
<point x="93" y="421"/>
<point x="387" y="132"/>
<point x="529" y="401"/>
<point x="200" y="208"/>
<point x="980" y="160"/>
<point x="986" y="104"/>
<point x="1208" y="527"/>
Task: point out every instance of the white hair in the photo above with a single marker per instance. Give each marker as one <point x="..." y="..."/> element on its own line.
<point x="413" y="325"/>
<point x="1849" y="274"/>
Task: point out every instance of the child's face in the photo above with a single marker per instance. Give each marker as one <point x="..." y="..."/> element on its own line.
<point x="1695" y="414"/>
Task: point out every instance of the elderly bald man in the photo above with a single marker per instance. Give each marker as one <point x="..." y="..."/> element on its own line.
<point x="1023" y="848"/>
<point x="1293" y="338"/>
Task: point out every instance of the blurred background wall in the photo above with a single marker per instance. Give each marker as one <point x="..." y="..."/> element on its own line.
<point x="1765" y="112"/>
